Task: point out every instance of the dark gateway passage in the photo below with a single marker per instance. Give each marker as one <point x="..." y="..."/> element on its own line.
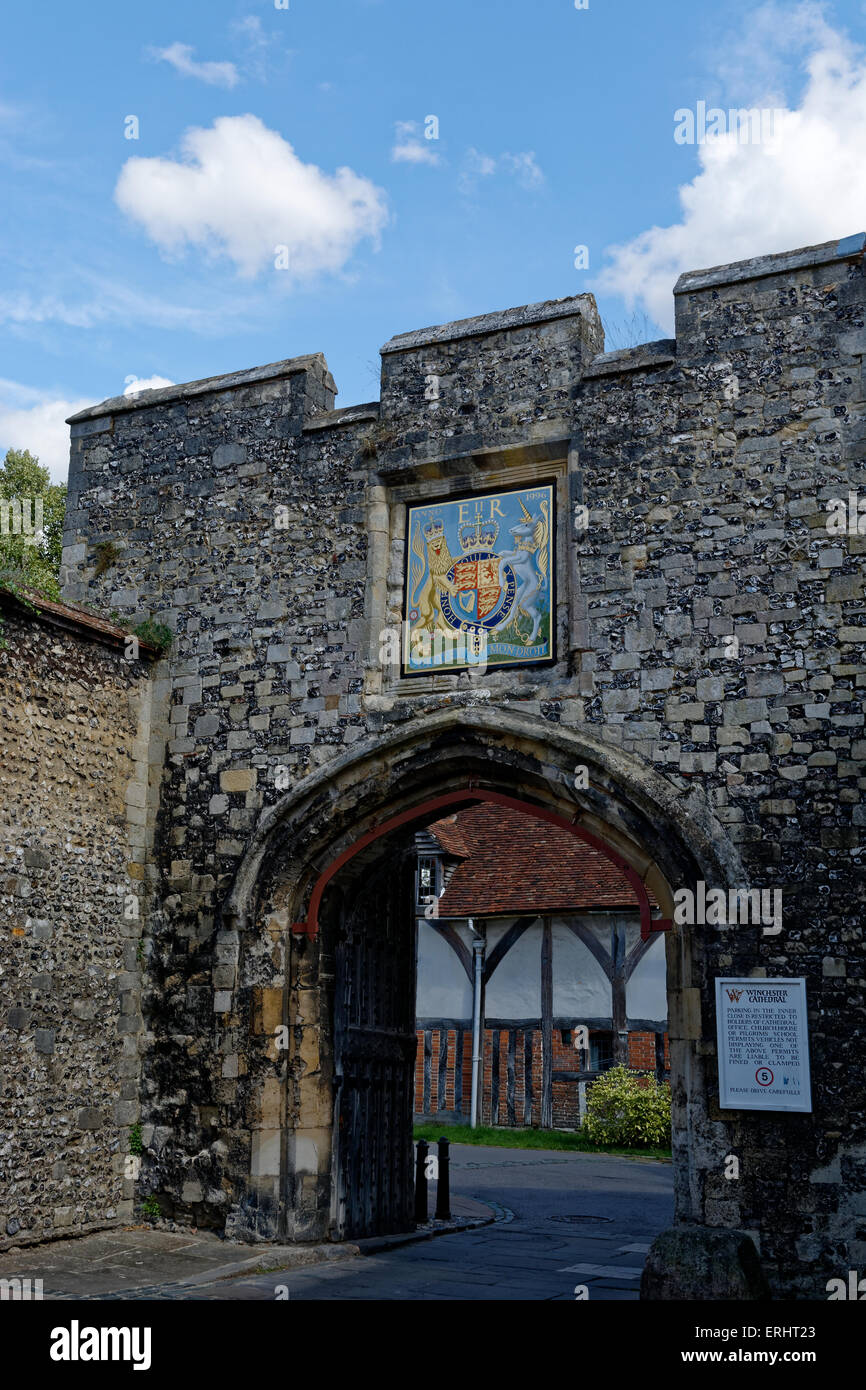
<point x="374" y="1055"/>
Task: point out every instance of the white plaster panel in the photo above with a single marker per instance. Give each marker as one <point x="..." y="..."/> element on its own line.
<point x="514" y="990"/>
<point x="444" y="990"/>
<point x="646" y="993"/>
<point x="580" y="986"/>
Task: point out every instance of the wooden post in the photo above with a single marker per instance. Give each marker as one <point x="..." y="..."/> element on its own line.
<point x="660" y="1057"/>
<point x="443" y="1185"/>
<point x="547" y="1024"/>
<point x="421" y="1182"/>
<point x="617" y="992"/>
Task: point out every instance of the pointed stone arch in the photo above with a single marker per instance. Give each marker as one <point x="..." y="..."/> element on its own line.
<point x="664" y="835"/>
<point x="637" y="813"/>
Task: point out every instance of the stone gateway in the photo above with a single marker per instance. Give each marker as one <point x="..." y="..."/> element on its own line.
<point x="701" y="718"/>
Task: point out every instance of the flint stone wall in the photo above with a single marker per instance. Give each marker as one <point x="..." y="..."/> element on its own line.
<point x="707" y="463"/>
<point x="74" y="766"/>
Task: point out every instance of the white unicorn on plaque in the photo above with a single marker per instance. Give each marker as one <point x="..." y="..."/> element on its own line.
<point x="528" y="561"/>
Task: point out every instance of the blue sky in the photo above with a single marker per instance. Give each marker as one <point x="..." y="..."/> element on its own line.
<point x="125" y="260"/>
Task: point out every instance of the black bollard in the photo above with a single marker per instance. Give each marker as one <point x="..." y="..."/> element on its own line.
<point x="421" y="1182"/>
<point x="443" y="1186"/>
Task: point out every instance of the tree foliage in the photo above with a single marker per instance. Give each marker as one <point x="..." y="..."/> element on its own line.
<point x="30" y="560"/>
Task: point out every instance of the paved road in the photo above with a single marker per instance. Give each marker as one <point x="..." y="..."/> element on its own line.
<point x="565" y="1219"/>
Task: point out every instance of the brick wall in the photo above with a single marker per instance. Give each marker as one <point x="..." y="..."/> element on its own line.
<point x="517" y="1051"/>
<point x="642" y="1051"/>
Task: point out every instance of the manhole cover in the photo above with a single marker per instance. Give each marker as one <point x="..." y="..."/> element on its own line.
<point x="580" y="1217"/>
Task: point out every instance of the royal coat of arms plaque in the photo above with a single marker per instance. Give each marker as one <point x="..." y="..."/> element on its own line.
<point x="479" y="586"/>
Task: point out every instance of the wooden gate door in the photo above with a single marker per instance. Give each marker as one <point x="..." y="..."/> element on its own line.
<point x="374" y="1047"/>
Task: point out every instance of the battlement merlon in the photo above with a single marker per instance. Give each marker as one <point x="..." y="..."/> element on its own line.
<point x="722" y="298"/>
<point x="579" y="306"/>
<point x="849" y="248"/>
<point x="582" y="307"/>
<point x="504" y="380"/>
<point x="319" y="391"/>
<point x="514" y="384"/>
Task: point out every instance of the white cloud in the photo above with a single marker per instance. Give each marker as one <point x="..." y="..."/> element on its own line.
<point x="134" y="384"/>
<point x="264" y="50"/>
<point x="250" y="28"/>
<point x="112" y="302"/>
<point x="179" y="55"/>
<point x="525" y="168"/>
<point x="801" y="186"/>
<point x="754" y="62"/>
<point x="36" y="420"/>
<point x="22" y="308"/>
<point x="240" y="190"/>
<point x="476" y="165"/>
<point x="409" y="149"/>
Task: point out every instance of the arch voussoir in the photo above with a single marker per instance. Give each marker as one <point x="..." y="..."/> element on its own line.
<point x="633" y="809"/>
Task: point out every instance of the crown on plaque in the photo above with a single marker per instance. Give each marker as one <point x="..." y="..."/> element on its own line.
<point x="469" y="535"/>
<point x="489" y="532"/>
<point x="433" y="530"/>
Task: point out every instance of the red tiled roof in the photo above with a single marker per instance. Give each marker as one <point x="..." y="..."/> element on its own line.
<point x="450" y="836"/>
<point x="71" y="616"/>
<point x="513" y="862"/>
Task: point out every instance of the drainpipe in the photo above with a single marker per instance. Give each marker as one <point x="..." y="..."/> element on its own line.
<point x="478" y="956"/>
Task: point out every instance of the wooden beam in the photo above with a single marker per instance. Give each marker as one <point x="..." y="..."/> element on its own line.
<point x="504" y="945"/>
<point x="637" y="953"/>
<point x="509" y="1089"/>
<point x="455" y="941"/>
<point x="592" y="943"/>
<point x="617" y="993"/>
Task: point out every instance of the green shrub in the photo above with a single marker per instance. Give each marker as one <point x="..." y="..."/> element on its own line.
<point x="628" y="1108"/>
<point x="136" y="1145"/>
<point x="151" y="1209"/>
